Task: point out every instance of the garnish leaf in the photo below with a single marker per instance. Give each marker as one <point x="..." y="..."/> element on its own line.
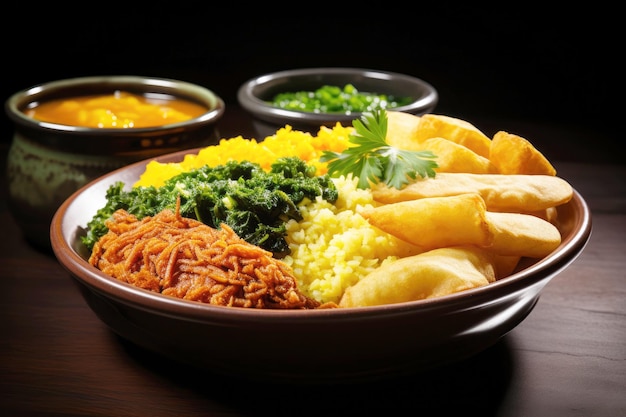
<point x="372" y="159"/>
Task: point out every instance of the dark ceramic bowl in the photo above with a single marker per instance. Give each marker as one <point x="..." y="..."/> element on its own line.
<point x="256" y="94"/>
<point x="47" y="162"/>
<point x="307" y="346"/>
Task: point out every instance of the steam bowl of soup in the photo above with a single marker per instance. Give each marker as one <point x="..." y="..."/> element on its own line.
<point x="307" y="98"/>
<point x="69" y="132"/>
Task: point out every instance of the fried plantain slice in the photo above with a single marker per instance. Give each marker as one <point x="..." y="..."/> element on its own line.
<point x="435" y="222"/>
<point x="430" y="274"/>
<point x="513" y="154"/>
<point x="456" y="130"/>
<point x="510" y="193"/>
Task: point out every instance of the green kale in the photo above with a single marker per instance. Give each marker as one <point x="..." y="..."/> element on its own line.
<point x="254" y="203"/>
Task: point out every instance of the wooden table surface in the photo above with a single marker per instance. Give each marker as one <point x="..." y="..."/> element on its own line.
<point x="567" y="358"/>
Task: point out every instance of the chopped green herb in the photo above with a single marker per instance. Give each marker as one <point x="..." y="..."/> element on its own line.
<point x="373" y="159"/>
<point x="334" y="99"/>
<point x="254" y="203"/>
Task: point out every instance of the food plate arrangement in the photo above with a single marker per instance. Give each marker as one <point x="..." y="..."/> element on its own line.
<point x="308" y="345"/>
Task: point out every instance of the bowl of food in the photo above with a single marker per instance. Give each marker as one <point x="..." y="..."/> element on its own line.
<point x="307" y="98"/>
<point x="68" y="132"/>
<point x="282" y="265"/>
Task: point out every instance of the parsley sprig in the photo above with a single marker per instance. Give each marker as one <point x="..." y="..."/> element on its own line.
<point x="372" y="159"/>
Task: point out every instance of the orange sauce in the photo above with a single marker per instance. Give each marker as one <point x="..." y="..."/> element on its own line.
<point x="117" y="110"/>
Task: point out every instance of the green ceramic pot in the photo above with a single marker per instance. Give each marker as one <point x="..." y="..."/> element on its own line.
<point x="48" y="162"/>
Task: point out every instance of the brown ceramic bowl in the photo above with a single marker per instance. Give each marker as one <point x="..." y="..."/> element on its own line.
<point x="255" y="95"/>
<point x="47" y="162"/>
<point x="307" y="346"/>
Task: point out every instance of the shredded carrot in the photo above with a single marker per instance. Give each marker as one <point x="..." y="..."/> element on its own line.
<point x="185" y="258"/>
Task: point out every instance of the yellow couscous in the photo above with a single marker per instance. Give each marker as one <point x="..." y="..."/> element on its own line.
<point x="333" y="246"/>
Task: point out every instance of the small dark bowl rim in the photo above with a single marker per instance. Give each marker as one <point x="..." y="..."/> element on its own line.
<point x="66" y="252"/>
<point x="15" y="104"/>
<point x="248" y="97"/>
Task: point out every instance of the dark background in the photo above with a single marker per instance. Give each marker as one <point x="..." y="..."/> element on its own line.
<point x="538" y="73"/>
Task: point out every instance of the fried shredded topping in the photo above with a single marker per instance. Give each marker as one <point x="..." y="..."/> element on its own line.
<point x="185" y="258"/>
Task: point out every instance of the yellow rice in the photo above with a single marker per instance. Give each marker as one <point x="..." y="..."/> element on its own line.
<point x="333" y="246"/>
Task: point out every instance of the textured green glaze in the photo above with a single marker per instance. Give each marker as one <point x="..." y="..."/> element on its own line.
<point x="48" y="162"/>
<point x="40" y="178"/>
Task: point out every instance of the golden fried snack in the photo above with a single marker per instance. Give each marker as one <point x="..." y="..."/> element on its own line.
<point x="519" y="234"/>
<point x="551" y="214"/>
<point x="402" y="133"/>
<point x="505" y="265"/>
<point x="402" y="130"/>
<point x="512" y="193"/>
<point x="452" y="157"/>
<point x="430" y="274"/>
<point x="456" y="130"/>
<point x="512" y="154"/>
<point x="435" y="222"/>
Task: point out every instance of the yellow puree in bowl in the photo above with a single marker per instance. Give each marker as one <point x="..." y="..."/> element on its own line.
<point x="117" y="110"/>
